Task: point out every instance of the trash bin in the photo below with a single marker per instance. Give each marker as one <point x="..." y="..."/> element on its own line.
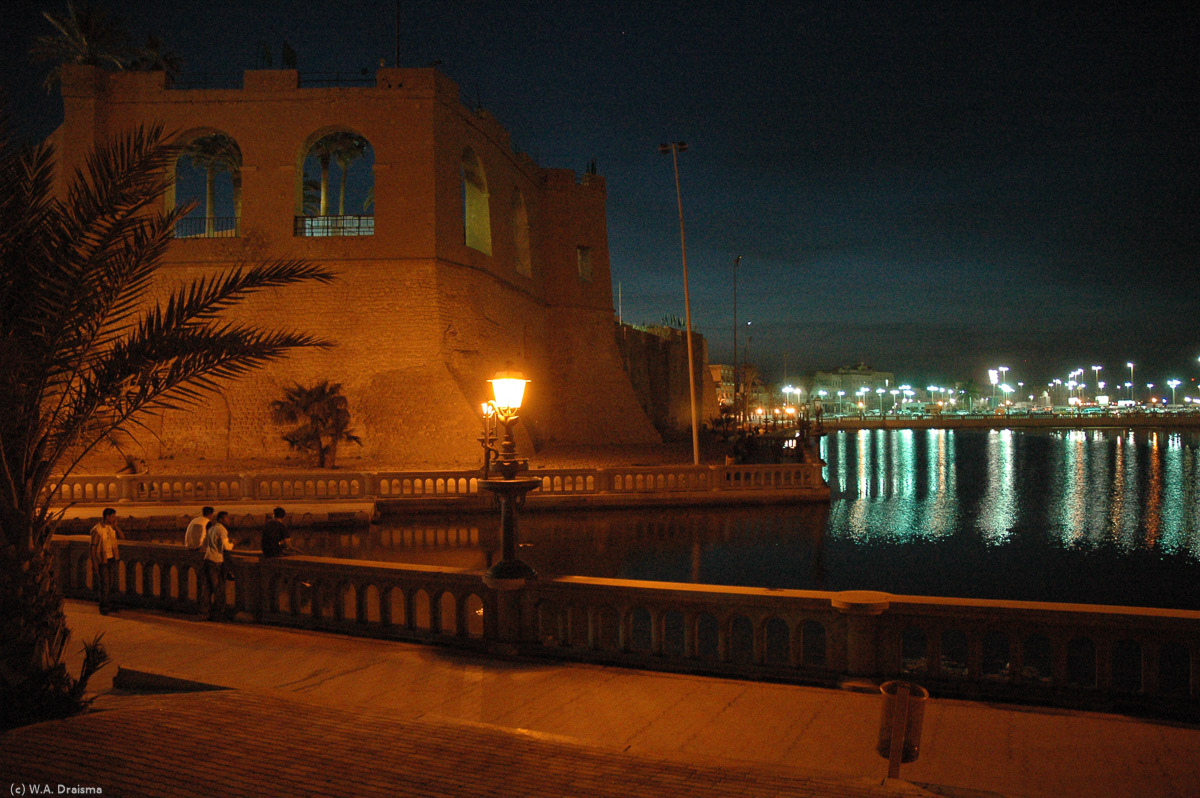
<point x="914" y="711"/>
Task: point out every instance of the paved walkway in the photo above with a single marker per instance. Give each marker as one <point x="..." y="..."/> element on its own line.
<point x="322" y="714"/>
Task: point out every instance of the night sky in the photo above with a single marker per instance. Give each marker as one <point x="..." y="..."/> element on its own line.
<point x="933" y="188"/>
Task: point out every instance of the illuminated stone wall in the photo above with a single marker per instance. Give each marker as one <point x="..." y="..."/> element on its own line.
<point x="421" y="320"/>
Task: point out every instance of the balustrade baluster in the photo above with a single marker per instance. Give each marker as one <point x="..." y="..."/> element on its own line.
<point x="360" y="602"/>
<point x="625" y="629"/>
<point x="975" y="655"/>
<point x="1151" y="650"/>
<point x="593" y="631"/>
<point x="1104" y="663"/>
<point x="1058" y="660"/>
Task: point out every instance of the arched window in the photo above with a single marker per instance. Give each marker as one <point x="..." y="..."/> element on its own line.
<point x="520" y="223"/>
<point x="336" y="194"/>
<point x="477" y="221"/>
<point x="208" y="175"/>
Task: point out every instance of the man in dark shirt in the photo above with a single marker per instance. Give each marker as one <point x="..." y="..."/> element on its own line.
<point x="276" y="538"/>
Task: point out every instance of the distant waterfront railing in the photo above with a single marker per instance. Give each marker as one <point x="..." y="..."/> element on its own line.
<point x="1110" y="658"/>
<point x="366" y="485"/>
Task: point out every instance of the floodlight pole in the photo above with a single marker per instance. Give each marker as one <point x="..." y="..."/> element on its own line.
<point x="676" y="147"/>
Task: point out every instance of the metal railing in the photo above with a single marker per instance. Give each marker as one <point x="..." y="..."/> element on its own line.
<point x="207" y="227"/>
<point x="329" y="226"/>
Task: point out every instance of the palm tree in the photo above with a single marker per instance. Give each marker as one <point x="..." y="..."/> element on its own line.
<point x="350" y="148"/>
<point x="324" y="418"/>
<point x="86" y="354"/>
<point x="345" y="148"/>
<point x="86" y="35"/>
<point x="216" y="153"/>
<point x="153" y="58"/>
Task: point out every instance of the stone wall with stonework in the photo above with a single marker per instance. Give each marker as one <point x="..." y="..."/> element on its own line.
<point x="656" y="360"/>
<point x="418" y="319"/>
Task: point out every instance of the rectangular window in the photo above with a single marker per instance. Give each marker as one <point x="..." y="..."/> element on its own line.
<point x="583" y="256"/>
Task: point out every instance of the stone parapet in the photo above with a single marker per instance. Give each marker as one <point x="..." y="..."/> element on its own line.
<point x="1099" y="657"/>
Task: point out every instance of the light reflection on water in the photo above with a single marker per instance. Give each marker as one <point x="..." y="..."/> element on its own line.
<point x="1102" y="516"/>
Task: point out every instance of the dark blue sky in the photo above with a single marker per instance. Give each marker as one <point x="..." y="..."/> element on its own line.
<point x="934" y="188"/>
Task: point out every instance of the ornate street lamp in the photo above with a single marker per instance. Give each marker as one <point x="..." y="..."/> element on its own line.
<point x="508" y="389"/>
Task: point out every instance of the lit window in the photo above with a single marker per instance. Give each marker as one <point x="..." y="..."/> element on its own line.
<point x="584" y="258"/>
<point x="477" y="222"/>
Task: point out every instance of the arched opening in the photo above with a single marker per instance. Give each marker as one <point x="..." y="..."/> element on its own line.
<point x="520" y="224"/>
<point x="336" y="190"/>
<point x="477" y="220"/>
<point x="208" y="176"/>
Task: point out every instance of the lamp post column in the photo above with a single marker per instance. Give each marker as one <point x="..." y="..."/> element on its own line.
<point x="676" y="147"/>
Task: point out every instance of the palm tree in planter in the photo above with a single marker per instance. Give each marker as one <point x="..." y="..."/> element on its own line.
<point x="323" y="416"/>
<point x="86" y="354"/>
<point x="84" y="35"/>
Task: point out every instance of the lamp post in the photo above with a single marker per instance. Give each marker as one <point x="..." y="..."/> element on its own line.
<point x="1096" y="378"/>
<point x="676" y="147"/>
<point x="1130" y="383"/>
<point x="1174" y="384"/>
<point x="508" y="388"/>
<point x="736" y="382"/>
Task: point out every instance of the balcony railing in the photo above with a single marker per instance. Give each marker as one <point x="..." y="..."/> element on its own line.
<point x="326" y="226"/>
<point x="207" y="227"/>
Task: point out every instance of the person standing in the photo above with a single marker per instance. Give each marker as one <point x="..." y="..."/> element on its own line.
<point x="193" y="538"/>
<point x="216" y="545"/>
<point x="105" y="554"/>
<point x="276" y="538"/>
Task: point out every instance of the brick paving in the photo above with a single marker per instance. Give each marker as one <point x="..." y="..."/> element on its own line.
<point x="376" y="717"/>
<point x="243" y="743"/>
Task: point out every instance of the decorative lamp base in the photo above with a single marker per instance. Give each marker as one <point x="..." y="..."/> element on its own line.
<point x="509" y="575"/>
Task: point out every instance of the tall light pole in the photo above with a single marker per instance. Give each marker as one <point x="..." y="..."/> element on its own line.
<point x="676" y="147"/>
<point x="736" y="381"/>
<point x="1130" y="381"/>
<point x="1096" y="374"/>
<point x="1174" y="384"/>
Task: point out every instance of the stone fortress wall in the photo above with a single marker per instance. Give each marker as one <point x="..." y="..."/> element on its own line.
<point x="421" y="320"/>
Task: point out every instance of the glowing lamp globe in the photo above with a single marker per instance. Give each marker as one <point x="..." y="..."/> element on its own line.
<point x="508" y="387"/>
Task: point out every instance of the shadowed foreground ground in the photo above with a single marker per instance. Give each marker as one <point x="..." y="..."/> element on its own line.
<point x="321" y="714"/>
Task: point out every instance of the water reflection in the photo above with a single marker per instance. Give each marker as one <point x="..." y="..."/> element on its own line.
<point x="1105" y="517"/>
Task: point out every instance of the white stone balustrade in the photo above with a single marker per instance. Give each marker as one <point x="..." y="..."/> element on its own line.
<point x="319" y="486"/>
<point x="1124" y="658"/>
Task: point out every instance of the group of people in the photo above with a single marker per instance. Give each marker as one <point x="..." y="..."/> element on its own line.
<point x="205" y="533"/>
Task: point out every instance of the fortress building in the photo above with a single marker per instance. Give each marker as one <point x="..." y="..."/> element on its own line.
<point x="467" y="258"/>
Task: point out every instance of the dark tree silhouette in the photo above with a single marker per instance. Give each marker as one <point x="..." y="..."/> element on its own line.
<point x="86" y="355"/>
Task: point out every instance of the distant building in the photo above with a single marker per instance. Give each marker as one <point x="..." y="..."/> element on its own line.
<point x="849" y="379"/>
<point x="722" y="377"/>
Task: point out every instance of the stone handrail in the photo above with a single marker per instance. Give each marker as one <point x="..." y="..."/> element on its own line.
<point x="366" y="485"/>
<point x="1122" y="658"/>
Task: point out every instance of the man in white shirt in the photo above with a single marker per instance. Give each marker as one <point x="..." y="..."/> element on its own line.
<point x="216" y="544"/>
<point x="105" y="553"/>
<point x="193" y="538"/>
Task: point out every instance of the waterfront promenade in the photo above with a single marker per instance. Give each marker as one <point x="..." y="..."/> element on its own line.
<point x="307" y="713"/>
